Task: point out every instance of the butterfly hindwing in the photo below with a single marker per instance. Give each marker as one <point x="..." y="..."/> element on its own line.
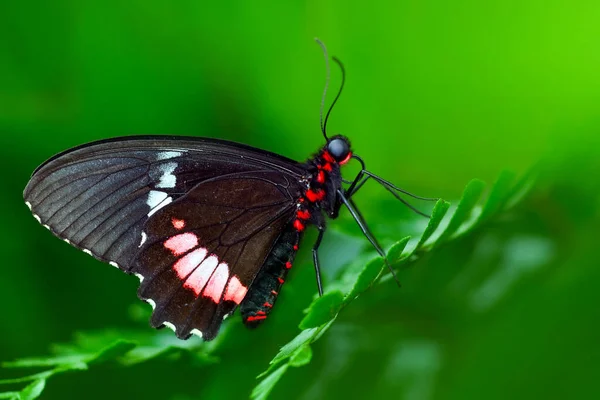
<point x="202" y="252"/>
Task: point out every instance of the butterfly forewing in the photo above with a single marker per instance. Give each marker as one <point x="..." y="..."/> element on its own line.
<point x="123" y="200"/>
<point x="99" y="196"/>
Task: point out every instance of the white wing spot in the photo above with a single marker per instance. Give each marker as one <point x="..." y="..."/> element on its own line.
<point x="152" y="303"/>
<point x="38" y="219"/>
<point x="144" y="237"/>
<point x="165" y="155"/>
<point x="157" y="200"/>
<point x="86" y="251"/>
<point x="28" y="204"/>
<point x="67" y="241"/>
<point x="167" y="180"/>
<point x="114" y="264"/>
<point x="169" y="325"/>
<point x="197" y="333"/>
<point x="140" y="277"/>
<point x="46" y="226"/>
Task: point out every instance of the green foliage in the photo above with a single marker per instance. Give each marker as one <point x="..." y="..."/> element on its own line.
<point x="324" y="310"/>
<point x="89" y="350"/>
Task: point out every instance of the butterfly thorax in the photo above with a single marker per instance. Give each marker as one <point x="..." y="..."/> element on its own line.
<point x="322" y="181"/>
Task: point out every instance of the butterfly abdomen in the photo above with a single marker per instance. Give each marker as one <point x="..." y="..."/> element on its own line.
<point x="266" y="287"/>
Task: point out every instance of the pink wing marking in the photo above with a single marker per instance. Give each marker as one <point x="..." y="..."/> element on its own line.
<point x="214" y="288"/>
<point x="178" y="223"/>
<point x="197" y="280"/>
<point x="235" y="290"/>
<point x="188" y="263"/>
<point x="181" y="243"/>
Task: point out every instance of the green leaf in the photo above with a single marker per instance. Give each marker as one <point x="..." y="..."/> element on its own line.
<point x="28" y="378"/>
<point x="33" y="390"/>
<point x="366" y="278"/>
<point x="522" y="187"/>
<point x="470" y="197"/>
<point x="286" y="351"/>
<point x="145" y="353"/>
<point x="323" y="310"/>
<point x="262" y="390"/>
<point x="112" y="351"/>
<point x="302" y="356"/>
<point x="394" y="256"/>
<point x="440" y="209"/>
<point x="10" y="395"/>
<point x="46" y="362"/>
<point x="498" y="195"/>
<point x="45" y="374"/>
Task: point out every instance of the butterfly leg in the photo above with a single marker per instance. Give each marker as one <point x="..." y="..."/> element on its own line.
<point x="365" y="230"/>
<point x="363" y="176"/>
<point x="315" y="253"/>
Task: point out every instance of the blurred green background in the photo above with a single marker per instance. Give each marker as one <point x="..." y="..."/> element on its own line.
<point x="437" y="93"/>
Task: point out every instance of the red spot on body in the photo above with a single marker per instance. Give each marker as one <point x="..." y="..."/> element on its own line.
<point x="345" y="160"/>
<point x="256" y="318"/>
<point x="267" y="304"/>
<point x="315" y="195"/>
<point x="327" y="167"/>
<point x="280" y="280"/>
<point x="303" y="214"/>
<point x="178" y="223"/>
<point x="260" y="313"/>
<point x="321" y="177"/>
<point x="274" y="293"/>
<point x="288" y="265"/>
<point x="216" y="284"/>
<point x="181" y="243"/>
<point x="236" y="291"/>
<point x="328" y="157"/>
<point x="295" y="247"/>
<point x="298" y="225"/>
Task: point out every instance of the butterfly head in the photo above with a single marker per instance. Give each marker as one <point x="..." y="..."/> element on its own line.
<point x="339" y="148"/>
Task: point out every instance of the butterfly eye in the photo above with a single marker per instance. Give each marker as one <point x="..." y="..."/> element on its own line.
<point x="339" y="149"/>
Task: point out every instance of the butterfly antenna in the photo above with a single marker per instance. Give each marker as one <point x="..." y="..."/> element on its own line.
<point x="326" y="54"/>
<point x="339" y="93"/>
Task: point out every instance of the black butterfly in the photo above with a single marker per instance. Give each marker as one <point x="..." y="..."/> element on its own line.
<point x="206" y="225"/>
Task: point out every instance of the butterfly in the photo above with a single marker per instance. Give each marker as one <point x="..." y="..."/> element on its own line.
<point x="206" y="225"/>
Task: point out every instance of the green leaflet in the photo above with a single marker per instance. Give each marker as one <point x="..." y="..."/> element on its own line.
<point x="498" y="196"/>
<point x="394" y="256"/>
<point x="289" y="349"/>
<point x="470" y="197"/>
<point x="302" y="356"/>
<point x="323" y="310"/>
<point x="34" y="390"/>
<point x="112" y="351"/>
<point x="438" y="213"/>
<point x="262" y="390"/>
